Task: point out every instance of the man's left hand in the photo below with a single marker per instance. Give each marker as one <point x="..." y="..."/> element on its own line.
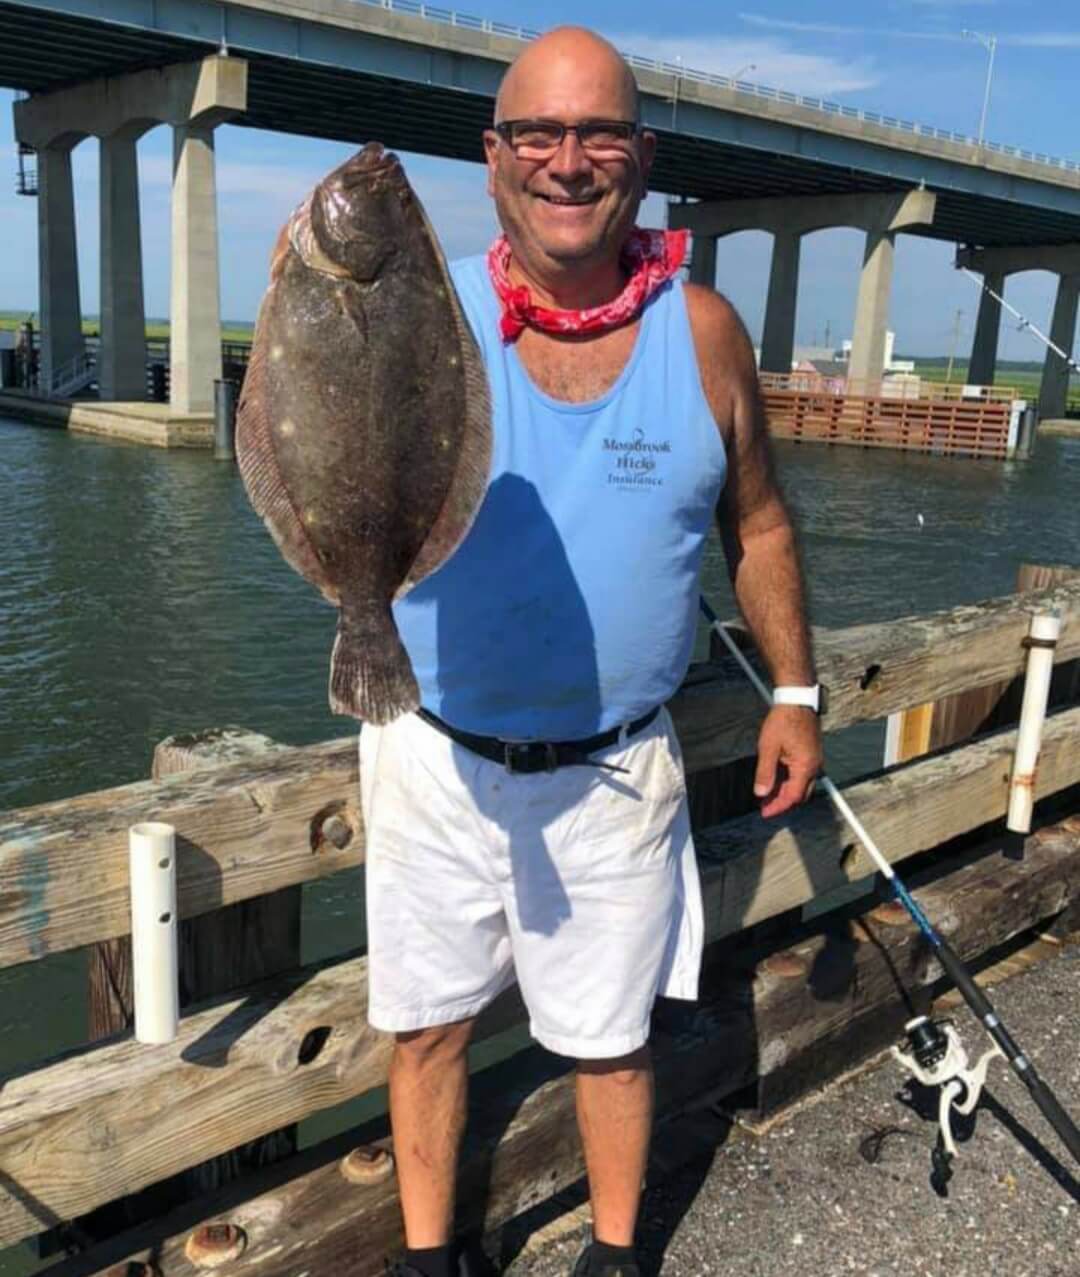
<point x="790" y="755"/>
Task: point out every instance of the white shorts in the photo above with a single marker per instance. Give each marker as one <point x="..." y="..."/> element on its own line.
<point x="580" y="883"/>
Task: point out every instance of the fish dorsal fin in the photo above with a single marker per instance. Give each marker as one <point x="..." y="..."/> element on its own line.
<point x="469" y="484"/>
<point x="257" y="461"/>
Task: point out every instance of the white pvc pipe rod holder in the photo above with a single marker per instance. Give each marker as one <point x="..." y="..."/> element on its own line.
<point x="152" y="857"/>
<point x="1045" y="629"/>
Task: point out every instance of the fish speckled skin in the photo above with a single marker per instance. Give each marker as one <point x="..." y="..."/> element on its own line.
<point x="364" y="429"/>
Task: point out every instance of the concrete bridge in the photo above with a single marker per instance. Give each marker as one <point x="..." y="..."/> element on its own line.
<point x="422" y="78"/>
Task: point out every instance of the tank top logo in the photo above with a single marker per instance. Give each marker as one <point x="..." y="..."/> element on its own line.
<point x="637" y="462"/>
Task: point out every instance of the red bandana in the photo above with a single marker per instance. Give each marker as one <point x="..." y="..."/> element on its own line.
<point x="651" y="257"/>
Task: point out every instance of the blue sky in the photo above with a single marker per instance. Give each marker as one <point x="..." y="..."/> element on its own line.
<point x="901" y="57"/>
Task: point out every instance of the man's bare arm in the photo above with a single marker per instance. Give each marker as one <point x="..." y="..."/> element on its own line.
<point x="760" y="548"/>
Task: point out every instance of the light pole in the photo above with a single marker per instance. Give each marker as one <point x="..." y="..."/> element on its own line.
<point x="750" y="66"/>
<point x="989" y="43"/>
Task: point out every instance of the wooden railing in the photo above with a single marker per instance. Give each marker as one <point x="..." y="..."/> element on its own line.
<point x="985" y="427"/>
<point x="99" y="1123"/>
<point x="904" y="387"/>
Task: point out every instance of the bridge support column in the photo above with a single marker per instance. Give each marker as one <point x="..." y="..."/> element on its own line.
<point x="58" y="263"/>
<point x="122" y="355"/>
<point x="1011" y="259"/>
<point x="703" y="260"/>
<point x="881" y="215"/>
<point x="987" y="332"/>
<point x="1054" y="391"/>
<point x="867" y="363"/>
<point x="192" y="97"/>
<point x="195" y="300"/>
<point x="778" y="337"/>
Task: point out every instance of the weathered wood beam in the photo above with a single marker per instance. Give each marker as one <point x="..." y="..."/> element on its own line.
<point x="993" y="705"/>
<point x="755" y="868"/>
<point x="874" y="670"/>
<point x="849" y="1002"/>
<point x="104" y="1121"/>
<point x="251" y="828"/>
<point x="243" y="830"/>
<point x="804" y="1015"/>
<point x="226" y="949"/>
<point x="100" y="1123"/>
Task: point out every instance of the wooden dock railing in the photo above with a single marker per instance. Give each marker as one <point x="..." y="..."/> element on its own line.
<point x="106" y="1120"/>
<point x="948" y="427"/>
<point x="904" y="387"/>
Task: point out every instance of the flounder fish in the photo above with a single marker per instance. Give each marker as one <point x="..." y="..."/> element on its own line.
<point x="364" y="429"/>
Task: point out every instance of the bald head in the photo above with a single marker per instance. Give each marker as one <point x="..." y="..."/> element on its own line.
<point x="539" y="79"/>
<point x="567" y="206"/>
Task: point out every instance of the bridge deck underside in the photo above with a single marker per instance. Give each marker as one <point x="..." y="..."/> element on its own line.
<point x="41" y="52"/>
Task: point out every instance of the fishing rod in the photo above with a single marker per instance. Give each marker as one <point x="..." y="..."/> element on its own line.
<point x="923" y="1046"/>
<point x="1025" y="323"/>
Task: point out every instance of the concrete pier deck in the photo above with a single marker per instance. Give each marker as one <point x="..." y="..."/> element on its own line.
<point x="1069" y="427"/>
<point x="150" y="424"/>
<point x="804" y="1197"/>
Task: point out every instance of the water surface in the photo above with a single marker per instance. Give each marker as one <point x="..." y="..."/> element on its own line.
<point x="140" y="596"/>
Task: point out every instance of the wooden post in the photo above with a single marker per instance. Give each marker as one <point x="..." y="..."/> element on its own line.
<point x="228" y="948"/>
<point x="917" y="731"/>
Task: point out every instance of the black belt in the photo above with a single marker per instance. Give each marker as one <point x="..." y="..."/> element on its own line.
<point x="539" y="755"/>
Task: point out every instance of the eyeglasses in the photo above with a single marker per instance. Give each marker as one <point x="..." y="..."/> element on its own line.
<point x="540" y="139"/>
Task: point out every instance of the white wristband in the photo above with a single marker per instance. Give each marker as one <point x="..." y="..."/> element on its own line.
<point x="808" y="696"/>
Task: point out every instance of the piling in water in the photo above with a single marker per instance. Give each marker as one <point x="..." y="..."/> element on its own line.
<point x="225" y="397"/>
<point x="1025" y="441"/>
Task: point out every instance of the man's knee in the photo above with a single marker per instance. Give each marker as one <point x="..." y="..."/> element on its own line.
<point x="622" y="1069"/>
<point x="438" y="1044"/>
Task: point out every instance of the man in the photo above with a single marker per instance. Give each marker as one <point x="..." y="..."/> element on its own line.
<point x="531" y="822"/>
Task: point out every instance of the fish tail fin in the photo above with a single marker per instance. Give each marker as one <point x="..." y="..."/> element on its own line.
<point x="371" y="676"/>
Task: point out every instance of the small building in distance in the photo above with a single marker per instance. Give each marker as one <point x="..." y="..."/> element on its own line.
<point x="819" y="376"/>
<point x="891" y="363"/>
<point x="824" y="370"/>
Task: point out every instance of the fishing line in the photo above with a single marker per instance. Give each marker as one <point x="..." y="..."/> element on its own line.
<point x="954" y="968"/>
<point x="1025" y="324"/>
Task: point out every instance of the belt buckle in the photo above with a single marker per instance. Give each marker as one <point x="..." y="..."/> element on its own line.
<point x="524" y="749"/>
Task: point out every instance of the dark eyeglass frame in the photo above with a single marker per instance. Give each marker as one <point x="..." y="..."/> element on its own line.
<point x="505" y="130"/>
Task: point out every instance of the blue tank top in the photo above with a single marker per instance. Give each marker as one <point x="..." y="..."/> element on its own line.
<point x="571" y="605"/>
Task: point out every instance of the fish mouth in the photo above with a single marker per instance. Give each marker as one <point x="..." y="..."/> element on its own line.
<point x="372" y="160"/>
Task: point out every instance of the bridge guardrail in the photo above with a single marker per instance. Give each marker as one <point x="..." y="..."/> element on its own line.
<point x="454" y="18"/>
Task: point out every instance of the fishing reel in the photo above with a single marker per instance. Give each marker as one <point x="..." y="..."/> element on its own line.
<point x="936" y="1058"/>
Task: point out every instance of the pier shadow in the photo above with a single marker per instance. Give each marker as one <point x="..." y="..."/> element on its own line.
<point x="682" y="1150"/>
<point x="44" y="1216"/>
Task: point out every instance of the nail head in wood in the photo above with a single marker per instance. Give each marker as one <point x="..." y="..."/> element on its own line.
<point x="368" y="1164"/>
<point x="337" y="831"/>
<point x="215" y="1244"/>
<point x="891" y="914"/>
